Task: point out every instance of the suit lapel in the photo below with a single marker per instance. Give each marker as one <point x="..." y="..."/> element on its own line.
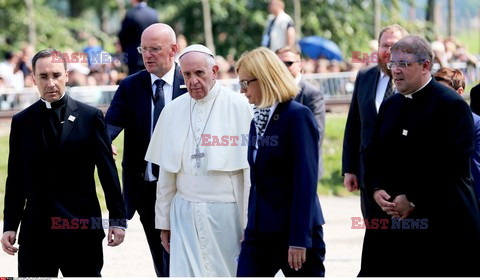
<point x="71" y="116"/>
<point x="251" y="145"/>
<point x="299" y="97"/>
<point x="146" y="93"/>
<point x="177" y="82"/>
<point x="38" y="123"/>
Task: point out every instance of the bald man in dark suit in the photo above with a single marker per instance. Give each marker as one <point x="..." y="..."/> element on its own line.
<point x="135" y="110"/>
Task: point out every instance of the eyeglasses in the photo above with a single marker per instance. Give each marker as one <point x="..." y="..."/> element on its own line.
<point x="154" y="50"/>
<point x="400" y="64"/>
<point x="244" y="84"/>
<point x="289" y="63"/>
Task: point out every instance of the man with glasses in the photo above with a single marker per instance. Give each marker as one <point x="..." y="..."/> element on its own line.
<point x="308" y="95"/>
<point x="371" y="88"/>
<point x="418" y="175"/>
<point x="204" y="182"/>
<point x="135" y="109"/>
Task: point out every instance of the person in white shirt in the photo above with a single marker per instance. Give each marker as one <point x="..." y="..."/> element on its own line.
<point x="204" y="174"/>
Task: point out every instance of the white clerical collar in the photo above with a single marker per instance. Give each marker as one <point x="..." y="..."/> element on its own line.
<point x="211" y="94"/>
<point x="410" y="94"/>
<point x="49" y="104"/>
<point x="168" y="77"/>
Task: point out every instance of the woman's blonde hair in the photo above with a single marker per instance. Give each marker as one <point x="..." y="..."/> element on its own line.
<point x="276" y="82"/>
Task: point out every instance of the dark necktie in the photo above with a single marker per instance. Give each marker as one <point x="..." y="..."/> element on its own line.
<point x="158" y="100"/>
<point x="389" y="91"/>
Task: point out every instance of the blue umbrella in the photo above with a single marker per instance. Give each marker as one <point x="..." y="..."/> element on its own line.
<point x="317" y="47"/>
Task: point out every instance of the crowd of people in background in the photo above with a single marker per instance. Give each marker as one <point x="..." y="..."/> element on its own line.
<point x="15" y="68"/>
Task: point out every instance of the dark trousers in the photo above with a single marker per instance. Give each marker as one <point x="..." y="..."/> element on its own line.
<point x="146" y="211"/>
<point x="366" y="204"/>
<point x="76" y="258"/>
<point x="264" y="257"/>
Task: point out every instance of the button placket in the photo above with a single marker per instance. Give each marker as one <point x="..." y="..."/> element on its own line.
<point x="198" y="214"/>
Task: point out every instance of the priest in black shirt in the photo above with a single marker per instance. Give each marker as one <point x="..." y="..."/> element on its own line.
<point x="55" y="145"/>
<point x="418" y="174"/>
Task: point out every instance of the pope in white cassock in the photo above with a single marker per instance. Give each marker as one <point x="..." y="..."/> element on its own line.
<point x="202" y="193"/>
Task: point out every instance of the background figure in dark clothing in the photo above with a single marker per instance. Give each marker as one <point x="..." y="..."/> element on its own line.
<point x="139" y="17"/>
<point x="475" y="99"/>
<point x="454" y="78"/>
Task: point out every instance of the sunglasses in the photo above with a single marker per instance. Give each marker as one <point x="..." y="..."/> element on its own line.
<point x="289" y="63"/>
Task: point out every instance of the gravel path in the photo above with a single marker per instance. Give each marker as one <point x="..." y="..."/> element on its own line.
<point x="132" y="258"/>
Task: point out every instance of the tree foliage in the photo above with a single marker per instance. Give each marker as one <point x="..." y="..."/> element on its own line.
<point x="53" y="28"/>
<point x="237" y="25"/>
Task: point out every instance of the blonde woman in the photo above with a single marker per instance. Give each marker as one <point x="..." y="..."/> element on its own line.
<point x="284" y="230"/>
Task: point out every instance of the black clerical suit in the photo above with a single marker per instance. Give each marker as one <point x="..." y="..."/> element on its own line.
<point x="50" y="189"/>
<point x="421" y="147"/>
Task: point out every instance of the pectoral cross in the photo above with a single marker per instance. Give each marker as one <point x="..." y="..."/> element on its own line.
<point x="197" y="155"/>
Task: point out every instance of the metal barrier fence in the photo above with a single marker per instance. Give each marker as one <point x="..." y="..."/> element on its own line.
<point x="337" y="88"/>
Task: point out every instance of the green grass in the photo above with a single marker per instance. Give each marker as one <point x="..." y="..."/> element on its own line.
<point x="471" y="39"/>
<point x="331" y="183"/>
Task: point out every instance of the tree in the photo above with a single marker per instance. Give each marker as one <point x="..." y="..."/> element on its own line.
<point x="207" y="25"/>
<point x="431" y="15"/>
<point x="451" y="23"/>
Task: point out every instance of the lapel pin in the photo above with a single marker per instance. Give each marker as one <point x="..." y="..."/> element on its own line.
<point x="71" y="118"/>
<point x="183" y="86"/>
<point x="276" y="117"/>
